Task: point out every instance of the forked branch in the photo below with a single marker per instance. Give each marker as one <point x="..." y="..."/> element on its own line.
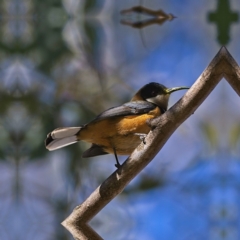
<point x="222" y="66"/>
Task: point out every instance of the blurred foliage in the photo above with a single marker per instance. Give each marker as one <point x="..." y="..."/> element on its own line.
<point x="42" y="24"/>
<point x="234" y="137"/>
<point x="210" y="133"/>
<point x="89" y="5"/>
<point x="223" y="17"/>
<point x="146" y="183"/>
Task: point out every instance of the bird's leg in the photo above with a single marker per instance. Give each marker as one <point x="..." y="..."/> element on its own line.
<point x="142" y="136"/>
<point x="117" y="165"/>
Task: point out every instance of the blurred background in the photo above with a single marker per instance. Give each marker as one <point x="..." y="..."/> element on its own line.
<point x="64" y="61"/>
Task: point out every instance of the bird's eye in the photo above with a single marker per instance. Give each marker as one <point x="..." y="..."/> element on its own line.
<point x="153" y="93"/>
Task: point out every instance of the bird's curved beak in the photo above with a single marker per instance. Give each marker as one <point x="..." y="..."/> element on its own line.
<point x="170" y="90"/>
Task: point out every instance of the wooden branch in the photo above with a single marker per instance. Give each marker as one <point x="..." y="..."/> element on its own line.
<point x="143" y="10"/>
<point x="157" y="17"/>
<point x="145" y="23"/>
<point x="223" y="65"/>
<point x="231" y="70"/>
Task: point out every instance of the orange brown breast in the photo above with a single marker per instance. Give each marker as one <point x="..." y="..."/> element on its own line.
<point x="118" y="132"/>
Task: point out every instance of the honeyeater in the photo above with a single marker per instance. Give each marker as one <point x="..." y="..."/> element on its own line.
<point x="118" y="130"/>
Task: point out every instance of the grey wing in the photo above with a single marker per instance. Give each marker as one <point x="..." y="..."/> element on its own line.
<point x="130" y="108"/>
<point x="93" y="151"/>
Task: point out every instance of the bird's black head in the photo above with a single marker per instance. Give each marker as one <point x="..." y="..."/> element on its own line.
<point x="156" y="93"/>
<point x="152" y="90"/>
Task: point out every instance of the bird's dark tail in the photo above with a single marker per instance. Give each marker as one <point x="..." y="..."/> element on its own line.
<point x="62" y="137"/>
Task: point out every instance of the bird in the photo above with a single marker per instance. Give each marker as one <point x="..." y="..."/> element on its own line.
<point x="118" y="130"/>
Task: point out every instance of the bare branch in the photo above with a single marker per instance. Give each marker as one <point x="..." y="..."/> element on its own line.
<point x="143" y="10"/>
<point x="231" y="71"/>
<point x="157" y="17"/>
<point x="222" y="66"/>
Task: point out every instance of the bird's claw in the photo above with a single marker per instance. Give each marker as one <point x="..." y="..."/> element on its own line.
<point x="142" y="137"/>
<point x="118" y="165"/>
